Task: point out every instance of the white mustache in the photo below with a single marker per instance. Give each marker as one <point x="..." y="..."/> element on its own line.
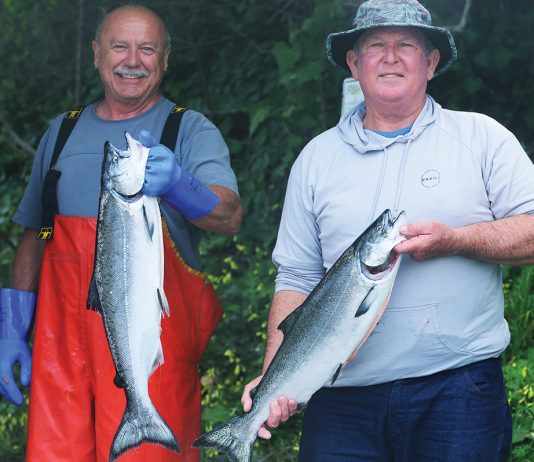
<point x="129" y="72"/>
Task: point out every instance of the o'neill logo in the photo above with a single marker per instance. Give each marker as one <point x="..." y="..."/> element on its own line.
<point x="430" y="178"/>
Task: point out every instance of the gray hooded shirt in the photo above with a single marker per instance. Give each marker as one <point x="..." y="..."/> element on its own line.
<point x="452" y="167"/>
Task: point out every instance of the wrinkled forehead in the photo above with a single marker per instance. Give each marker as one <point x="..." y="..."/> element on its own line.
<point x="128" y="20"/>
<point x="393" y="33"/>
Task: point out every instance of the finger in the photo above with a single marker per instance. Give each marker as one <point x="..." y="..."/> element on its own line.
<point x="405" y="247"/>
<point x="25" y="361"/>
<point x="414" y="229"/>
<point x="284" y="408"/>
<point x="264" y="433"/>
<point x="9" y="389"/>
<point x="293" y="406"/>
<point x="274" y="415"/>
<point x="246" y="401"/>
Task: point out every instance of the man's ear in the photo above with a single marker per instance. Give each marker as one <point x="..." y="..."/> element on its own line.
<point x="432" y="63"/>
<point x="167" y="52"/>
<point x="96" y="53"/>
<point x="352" y="60"/>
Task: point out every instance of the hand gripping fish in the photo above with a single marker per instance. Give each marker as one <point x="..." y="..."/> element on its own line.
<point x="321" y="334"/>
<point x="127" y="290"/>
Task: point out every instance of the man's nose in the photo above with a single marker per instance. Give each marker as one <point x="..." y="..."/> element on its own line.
<point x="390" y="52"/>
<point x="132" y="58"/>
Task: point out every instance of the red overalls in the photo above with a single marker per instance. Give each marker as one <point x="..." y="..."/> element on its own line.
<point x="75" y="408"/>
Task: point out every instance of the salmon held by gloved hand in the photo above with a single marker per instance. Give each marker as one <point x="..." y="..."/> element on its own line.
<point x="127" y="290"/>
<point x="322" y="333"/>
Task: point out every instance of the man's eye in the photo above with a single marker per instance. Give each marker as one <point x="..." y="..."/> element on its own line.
<point x="148" y="50"/>
<point x="375" y="45"/>
<point x="408" y="46"/>
<point x="118" y="47"/>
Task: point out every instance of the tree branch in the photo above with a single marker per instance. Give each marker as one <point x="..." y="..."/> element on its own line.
<point x="461" y="25"/>
<point x="78" y="64"/>
<point x="12" y="137"/>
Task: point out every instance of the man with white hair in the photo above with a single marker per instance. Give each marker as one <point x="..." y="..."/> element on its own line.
<point x="427" y="384"/>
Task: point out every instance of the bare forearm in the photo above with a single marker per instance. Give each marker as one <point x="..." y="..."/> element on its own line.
<point x="26" y="266"/>
<point x="284" y="302"/>
<point x="508" y="241"/>
<point x="225" y="218"/>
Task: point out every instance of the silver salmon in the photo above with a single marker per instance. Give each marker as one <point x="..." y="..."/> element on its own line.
<point x="127" y="290"/>
<point x="321" y="334"/>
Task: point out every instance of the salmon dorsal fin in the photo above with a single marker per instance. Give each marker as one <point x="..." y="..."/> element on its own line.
<point x="286" y="325"/>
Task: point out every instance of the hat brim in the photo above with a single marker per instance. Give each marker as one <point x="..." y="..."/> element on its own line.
<point x="338" y="43"/>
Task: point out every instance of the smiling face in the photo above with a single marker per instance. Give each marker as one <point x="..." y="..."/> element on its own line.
<point x="392" y="66"/>
<point x="131" y="54"/>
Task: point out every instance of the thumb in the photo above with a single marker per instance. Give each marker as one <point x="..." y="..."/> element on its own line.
<point x="147" y="139"/>
<point x="9" y="389"/>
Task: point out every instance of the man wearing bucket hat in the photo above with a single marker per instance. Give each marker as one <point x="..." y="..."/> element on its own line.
<point x="427" y="384"/>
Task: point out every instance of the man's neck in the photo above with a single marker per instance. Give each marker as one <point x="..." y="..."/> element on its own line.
<point x="389" y="118"/>
<point x="111" y="109"/>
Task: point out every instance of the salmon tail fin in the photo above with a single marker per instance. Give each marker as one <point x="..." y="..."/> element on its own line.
<point x="223" y="439"/>
<point x="137" y="428"/>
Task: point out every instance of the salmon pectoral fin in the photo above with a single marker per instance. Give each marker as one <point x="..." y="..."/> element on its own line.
<point x="148" y="223"/>
<point x="366" y="303"/>
<point x="93" y="299"/>
<point x="371" y="327"/>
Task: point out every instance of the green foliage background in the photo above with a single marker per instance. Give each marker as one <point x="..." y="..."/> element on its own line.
<point x="259" y="71"/>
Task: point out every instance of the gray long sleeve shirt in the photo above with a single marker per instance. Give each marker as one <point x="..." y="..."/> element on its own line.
<point x="452" y="167"/>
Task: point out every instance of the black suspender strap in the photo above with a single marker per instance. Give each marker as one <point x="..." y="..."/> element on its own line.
<point x="169" y="135"/>
<point x="49" y="194"/>
<point x="49" y="203"/>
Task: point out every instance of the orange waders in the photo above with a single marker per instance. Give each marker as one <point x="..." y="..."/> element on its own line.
<point x="75" y="408"/>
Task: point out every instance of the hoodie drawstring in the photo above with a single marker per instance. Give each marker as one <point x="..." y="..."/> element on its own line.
<point x="379" y="185"/>
<point x="398" y="192"/>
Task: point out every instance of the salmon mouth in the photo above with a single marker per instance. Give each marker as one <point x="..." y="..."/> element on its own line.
<point x="381" y="271"/>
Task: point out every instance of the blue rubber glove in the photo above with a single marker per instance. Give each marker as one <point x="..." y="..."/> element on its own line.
<point x="147" y="139"/>
<point x="166" y="179"/>
<point x="16" y="313"/>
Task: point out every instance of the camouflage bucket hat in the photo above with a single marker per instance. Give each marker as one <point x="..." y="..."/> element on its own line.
<point x="387" y="13"/>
